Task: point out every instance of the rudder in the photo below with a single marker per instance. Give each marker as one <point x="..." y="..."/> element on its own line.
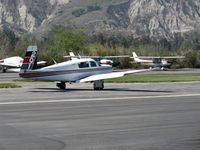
<point x="135" y="57"/>
<point x="30" y="59"/>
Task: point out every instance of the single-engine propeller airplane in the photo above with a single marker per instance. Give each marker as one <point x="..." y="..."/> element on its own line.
<point x="103" y="60"/>
<point x="161" y="62"/>
<point x="14" y="63"/>
<point x="11" y="62"/>
<point x="75" y="70"/>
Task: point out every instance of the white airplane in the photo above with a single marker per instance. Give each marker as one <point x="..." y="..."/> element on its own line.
<point x="14" y="64"/>
<point x="11" y="62"/>
<point x="103" y="60"/>
<point x="75" y="70"/>
<point x="160" y="62"/>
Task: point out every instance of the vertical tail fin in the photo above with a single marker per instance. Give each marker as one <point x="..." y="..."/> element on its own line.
<point x="73" y="57"/>
<point x="30" y="59"/>
<point x="71" y="54"/>
<point x="135" y="57"/>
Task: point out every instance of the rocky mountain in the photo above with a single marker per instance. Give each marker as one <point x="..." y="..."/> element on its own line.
<point x="153" y="18"/>
<point x="24" y="16"/>
<point x="164" y="18"/>
<point x="156" y="18"/>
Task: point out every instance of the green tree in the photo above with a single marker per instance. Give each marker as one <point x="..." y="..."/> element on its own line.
<point x="192" y="59"/>
<point x="61" y="40"/>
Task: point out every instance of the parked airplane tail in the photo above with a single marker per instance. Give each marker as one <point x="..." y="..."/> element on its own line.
<point x="135" y="57"/>
<point x="71" y="54"/>
<point x="73" y="57"/>
<point x="30" y="59"/>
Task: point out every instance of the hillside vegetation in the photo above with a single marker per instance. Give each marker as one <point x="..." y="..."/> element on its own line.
<point x="62" y="39"/>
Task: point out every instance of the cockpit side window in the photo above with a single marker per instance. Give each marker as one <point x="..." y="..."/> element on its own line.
<point x="93" y="64"/>
<point x="157" y="60"/>
<point x="84" y="64"/>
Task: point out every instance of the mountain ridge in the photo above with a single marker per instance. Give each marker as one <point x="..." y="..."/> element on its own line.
<point x="153" y="18"/>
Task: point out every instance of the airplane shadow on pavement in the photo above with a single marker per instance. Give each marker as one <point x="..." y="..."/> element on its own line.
<point x="104" y="90"/>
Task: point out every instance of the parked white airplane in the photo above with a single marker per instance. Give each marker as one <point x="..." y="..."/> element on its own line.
<point x="103" y="60"/>
<point x="14" y="63"/>
<point x="11" y="62"/>
<point x="161" y="62"/>
<point x="75" y="70"/>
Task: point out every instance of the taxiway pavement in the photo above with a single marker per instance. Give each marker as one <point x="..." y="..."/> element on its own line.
<point x="139" y="116"/>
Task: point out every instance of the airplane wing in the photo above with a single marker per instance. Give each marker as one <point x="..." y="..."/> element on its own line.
<point x="10" y="65"/>
<point x="167" y="57"/>
<point x="111" y="75"/>
<point x="122" y="56"/>
<point x="16" y="66"/>
<point x="174" y="57"/>
<point x="17" y="70"/>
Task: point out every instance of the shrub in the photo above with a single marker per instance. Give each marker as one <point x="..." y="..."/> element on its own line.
<point x="192" y="59"/>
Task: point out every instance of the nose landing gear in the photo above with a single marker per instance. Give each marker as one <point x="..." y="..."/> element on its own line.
<point x="98" y="85"/>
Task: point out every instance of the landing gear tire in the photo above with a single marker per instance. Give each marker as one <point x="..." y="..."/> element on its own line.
<point x="61" y="85"/>
<point x="4" y="69"/>
<point x="98" y="85"/>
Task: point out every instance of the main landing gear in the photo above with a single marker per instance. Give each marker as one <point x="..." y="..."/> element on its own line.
<point x="98" y="85"/>
<point x="61" y="85"/>
<point x="3" y="69"/>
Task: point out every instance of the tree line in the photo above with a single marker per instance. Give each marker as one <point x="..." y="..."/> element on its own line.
<point x="62" y="39"/>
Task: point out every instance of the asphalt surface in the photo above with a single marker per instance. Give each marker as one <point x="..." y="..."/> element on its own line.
<point x="142" y="116"/>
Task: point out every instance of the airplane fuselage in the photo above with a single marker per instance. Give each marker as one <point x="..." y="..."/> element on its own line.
<point x="14" y="62"/>
<point x="155" y="62"/>
<point x="70" y="71"/>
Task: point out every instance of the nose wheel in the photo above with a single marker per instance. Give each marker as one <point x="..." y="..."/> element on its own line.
<point x="98" y="85"/>
<point x="61" y="85"/>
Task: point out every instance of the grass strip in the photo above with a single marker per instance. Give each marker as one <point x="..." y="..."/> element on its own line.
<point x="9" y="85"/>
<point x="140" y="78"/>
<point x="29" y="80"/>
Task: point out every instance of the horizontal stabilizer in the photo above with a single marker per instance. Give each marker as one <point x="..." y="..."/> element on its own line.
<point x="41" y="62"/>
